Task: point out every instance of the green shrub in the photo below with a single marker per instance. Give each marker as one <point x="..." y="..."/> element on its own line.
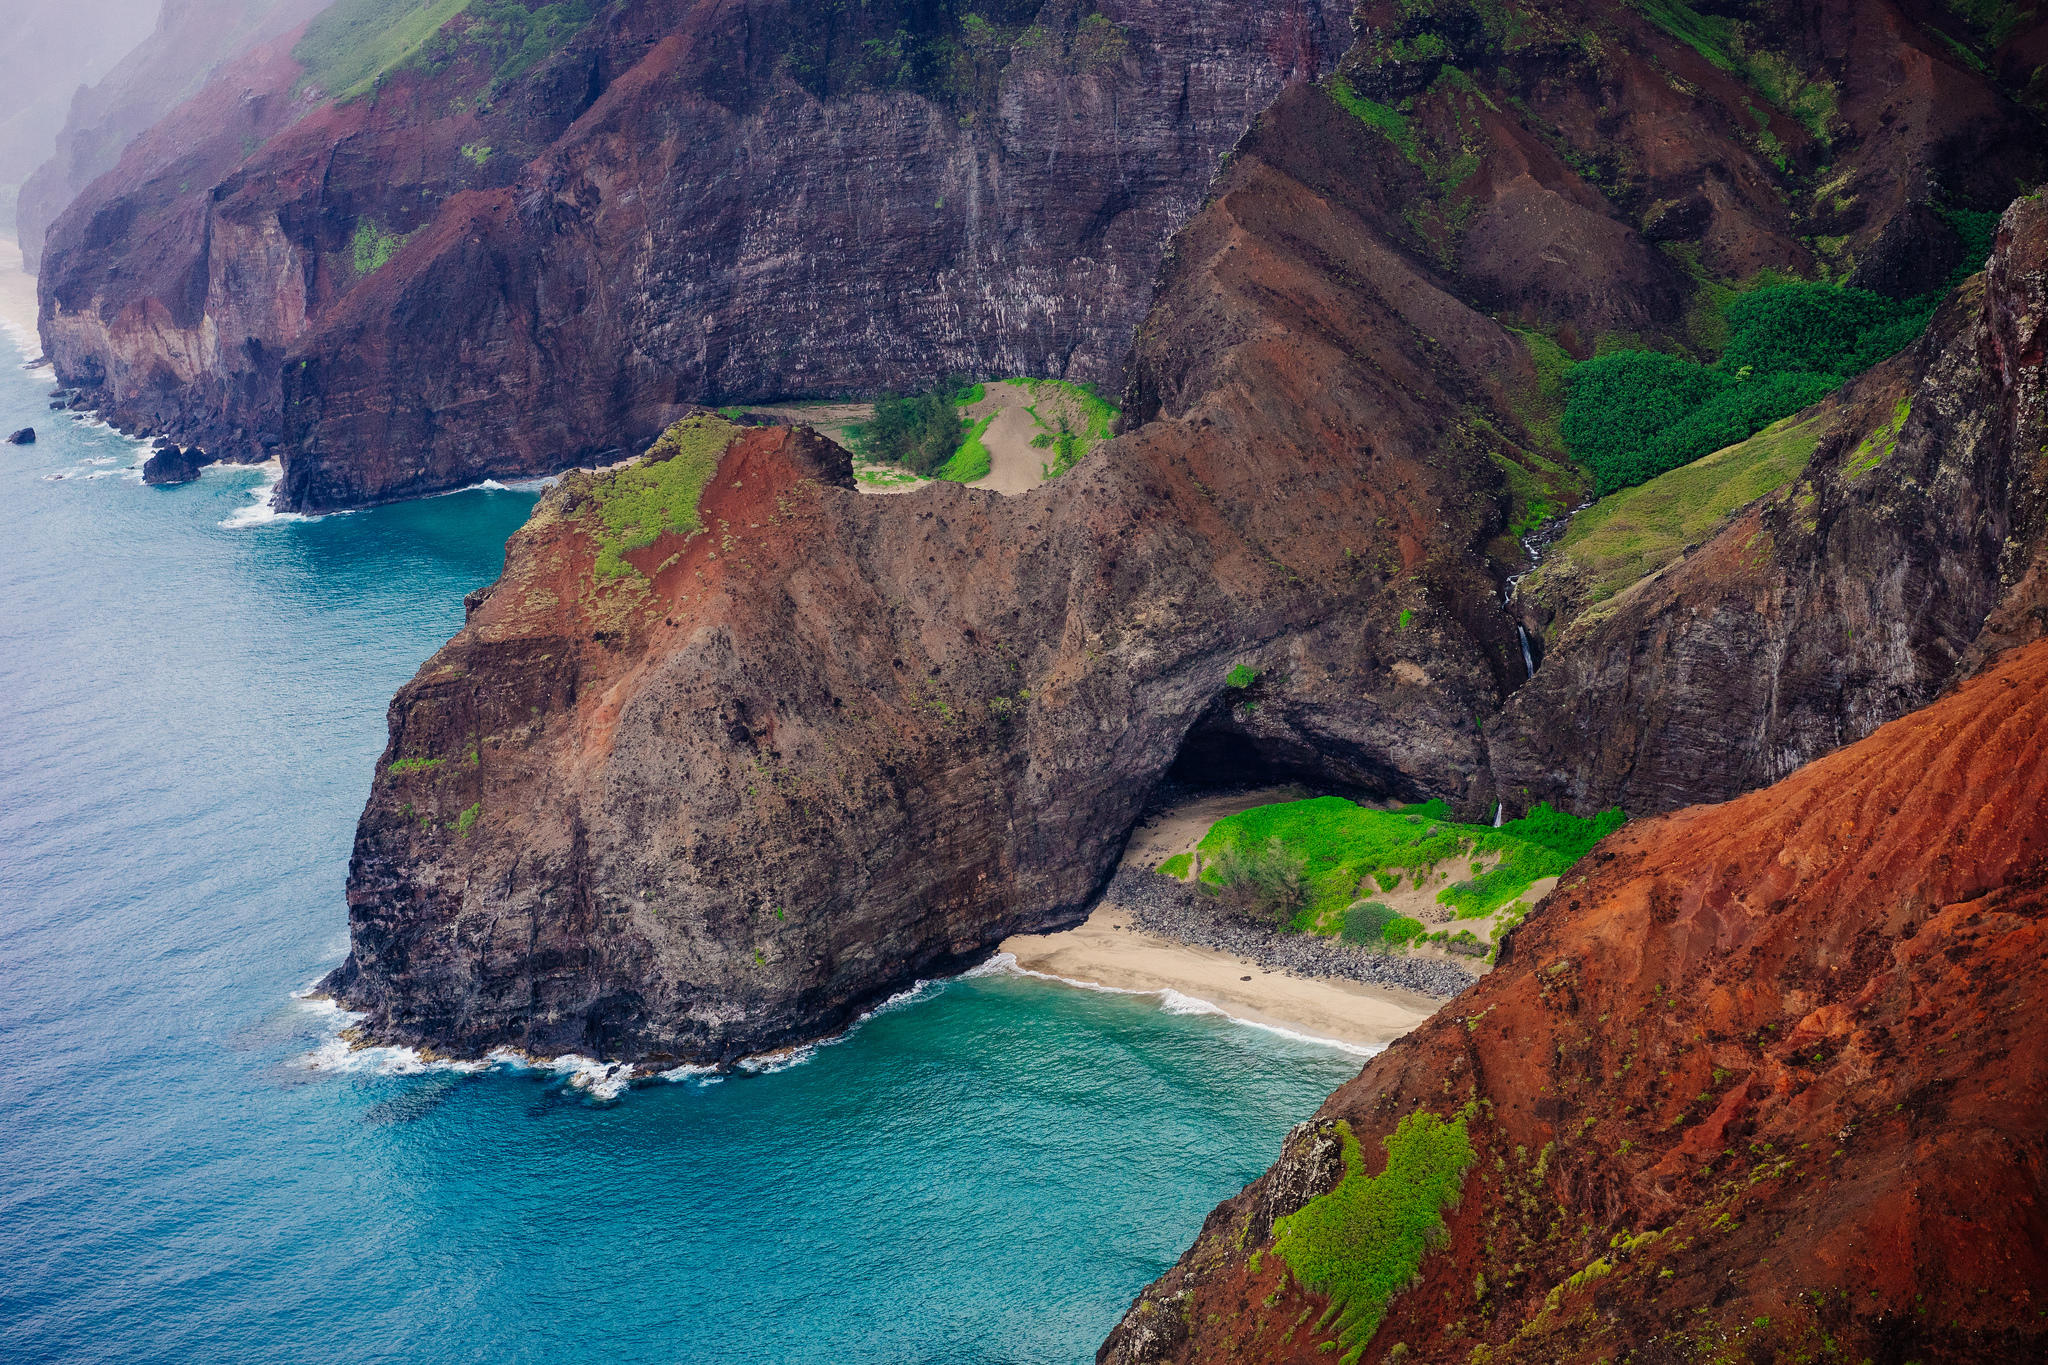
<point x="1401" y="929"/>
<point x="414" y="765"/>
<point x="1363" y="1242"/>
<point x="1244" y="675"/>
<point x="920" y="433"/>
<point x="1366" y="923"/>
<point x="1633" y="415"/>
<point x="1267" y="883"/>
<point x="1177" y="866"/>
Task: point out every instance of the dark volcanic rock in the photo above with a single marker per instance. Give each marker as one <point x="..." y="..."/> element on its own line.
<point x="172" y="465"/>
<point x="727" y="200"/>
<point x="24" y="437"/>
<point x="842" y="741"/>
<point x="1757" y="1081"/>
<point x="1175" y="910"/>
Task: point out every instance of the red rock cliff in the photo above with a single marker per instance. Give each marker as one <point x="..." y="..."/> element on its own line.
<point x="1760" y="1081"/>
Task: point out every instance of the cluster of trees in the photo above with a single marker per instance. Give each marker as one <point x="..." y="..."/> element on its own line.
<point x="919" y="432"/>
<point x="1632" y="415"/>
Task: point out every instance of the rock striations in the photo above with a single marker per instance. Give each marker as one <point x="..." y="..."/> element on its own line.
<point x="835" y="743"/>
<point x="472" y="263"/>
<point x="1757" y="1082"/>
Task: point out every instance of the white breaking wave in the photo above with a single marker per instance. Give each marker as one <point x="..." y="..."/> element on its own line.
<point x="1172" y="1001"/>
<point x="260" y="512"/>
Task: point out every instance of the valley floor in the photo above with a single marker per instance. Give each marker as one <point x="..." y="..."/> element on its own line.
<point x="1111" y="952"/>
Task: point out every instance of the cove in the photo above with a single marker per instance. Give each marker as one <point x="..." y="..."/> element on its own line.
<point x="986" y="1172"/>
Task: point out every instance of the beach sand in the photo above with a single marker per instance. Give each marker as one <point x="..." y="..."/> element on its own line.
<point x="17" y="291"/>
<point x="1106" y="951"/>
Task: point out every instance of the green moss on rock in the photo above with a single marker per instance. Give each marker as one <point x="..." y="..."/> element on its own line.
<point x="635" y="506"/>
<point x="1363" y="1242"/>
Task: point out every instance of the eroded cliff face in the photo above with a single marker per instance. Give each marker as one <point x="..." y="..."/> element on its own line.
<point x="190" y="42"/>
<point x="1758" y="1080"/>
<point x="726" y="200"/>
<point x="727" y="812"/>
<point x="689" y="202"/>
<point x="1908" y="553"/>
<point x="837" y="742"/>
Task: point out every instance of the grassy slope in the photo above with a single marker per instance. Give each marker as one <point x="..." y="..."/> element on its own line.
<point x="634" y="506"/>
<point x="348" y="46"/>
<point x="1629" y="535"/>
<point x="1363" y="1242"/>
<point x="1343" y="844"/>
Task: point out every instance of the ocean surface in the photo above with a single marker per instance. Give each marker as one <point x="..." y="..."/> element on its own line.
<point x="191" y="1169"/>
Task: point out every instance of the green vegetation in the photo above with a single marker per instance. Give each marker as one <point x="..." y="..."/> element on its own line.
<point x="1775" y="77"/>
<point x="350" y="46"/>
<point x="636" y="505"/>
<point x="353" y="46"/>
<point x="506" y="37"/>
<point x="1264" y="882"/>
<point x="1407" y="615"/>
<point x="478" y="153"/>
<point x="466" y="821"/>
<point x="1244" y="675"/>
<point x="921" y="432"/>
<point x="971" y="460"/>
<point x="1634" y="415"/>
<point x="1876" y="447"/>
<point x="1994" y="21"/>
<point x="414" y="765"/>
<point x="1339" y="846"/>
<point x="1177" y="866"/>
<point x="1629" y="535"/>
<point x="1391" y="124"/>
<point x="1071" y="402"/>
<point x="1363" y="1242"/>
<point x="372" y="247"/>
<point x="1366" y="922"/>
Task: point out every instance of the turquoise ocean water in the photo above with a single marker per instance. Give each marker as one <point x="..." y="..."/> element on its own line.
<point x="189" y="712"/>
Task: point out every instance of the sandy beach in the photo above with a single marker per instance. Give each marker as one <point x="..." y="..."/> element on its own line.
<point x="17" y="290"/>
<point x="1106" y="951"/>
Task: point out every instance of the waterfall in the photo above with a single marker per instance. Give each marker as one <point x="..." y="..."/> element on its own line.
<point x="1500" y="808"/>
<point x="1528" y="659"/>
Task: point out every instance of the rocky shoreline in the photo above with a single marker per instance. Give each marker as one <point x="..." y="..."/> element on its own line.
<point x="1171" y="909"/>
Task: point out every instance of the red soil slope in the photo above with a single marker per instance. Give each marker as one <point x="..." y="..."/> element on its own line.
<point x="1794" y="1034"/>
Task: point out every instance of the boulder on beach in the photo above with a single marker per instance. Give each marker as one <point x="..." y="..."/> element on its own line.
<point x="25" y="437"/>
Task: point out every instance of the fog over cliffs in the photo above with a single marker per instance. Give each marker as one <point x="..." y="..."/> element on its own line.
<point x="50" y="51"/>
